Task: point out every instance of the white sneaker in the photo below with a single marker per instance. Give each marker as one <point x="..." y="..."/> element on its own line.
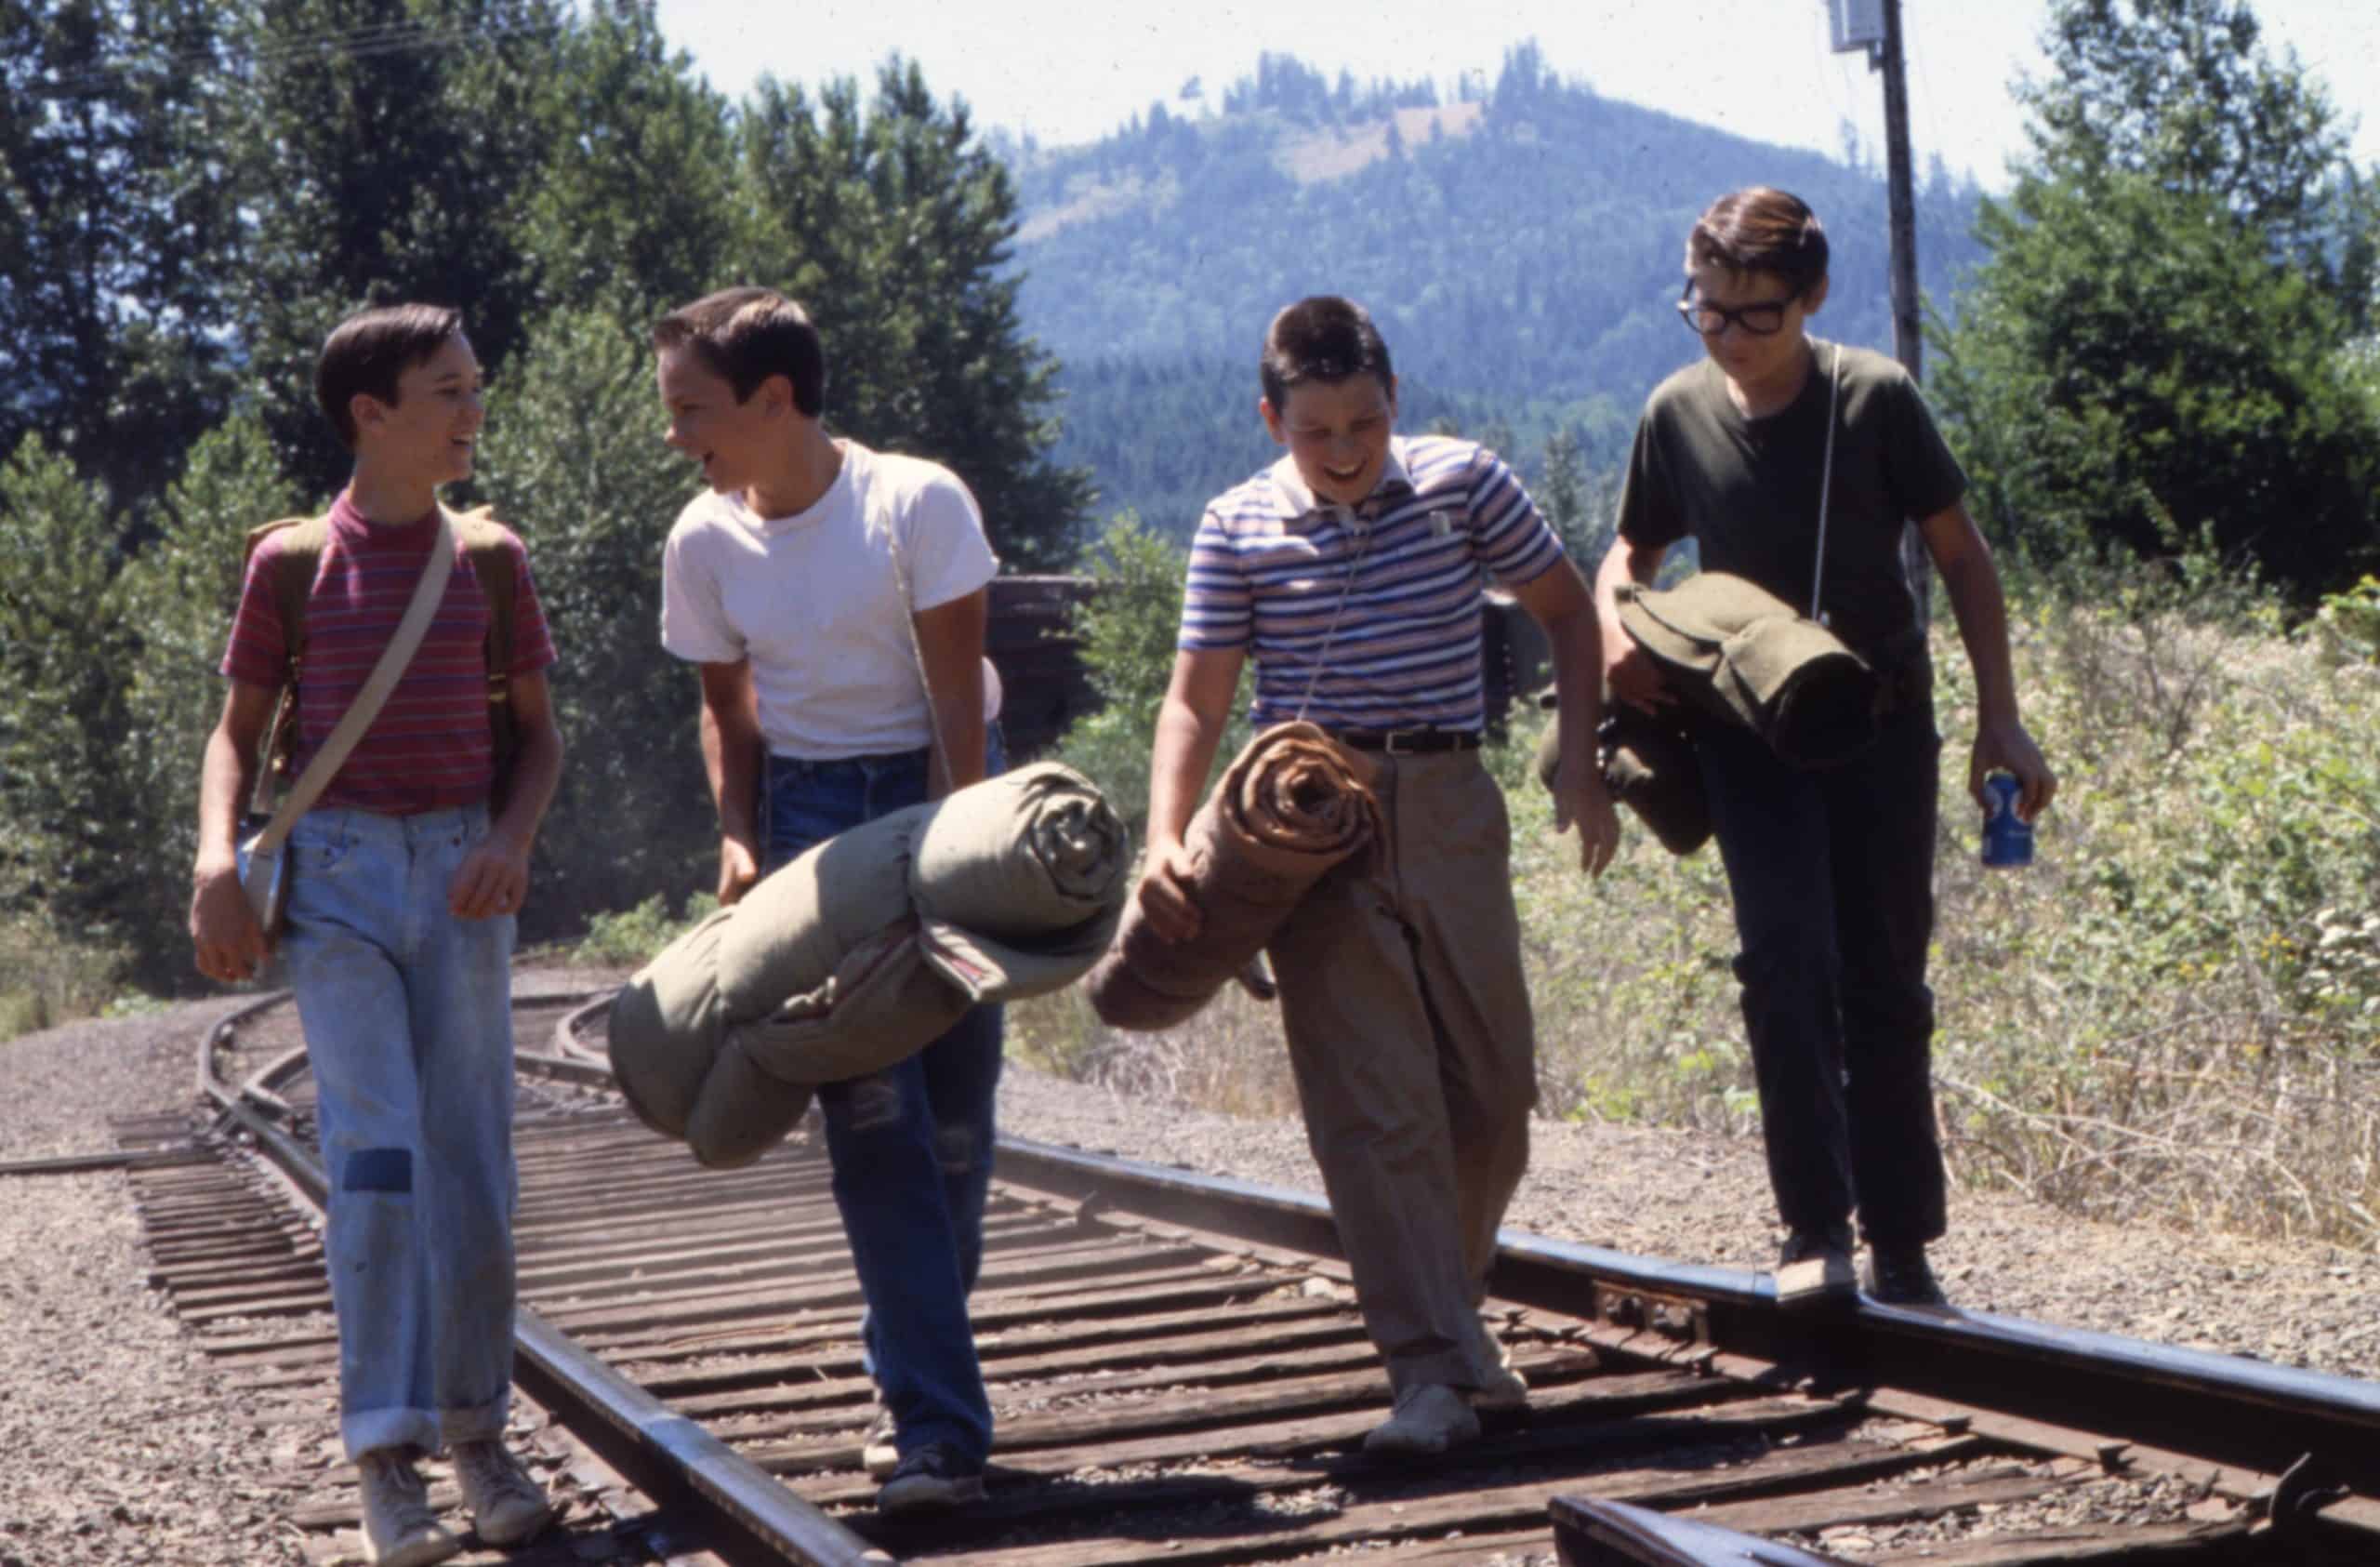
<point x="1428" y="1418"/>
<point x="507" y="1505"/>
<point x="399" y="1528"/>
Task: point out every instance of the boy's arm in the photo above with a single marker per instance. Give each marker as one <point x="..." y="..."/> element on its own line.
<point x="950" y="653"/>
<point x="1972" y="582"/>
<point x="1629" y="674"/>
<point x="494" y="877"/>
<point x="730" y="731"/>
<point x="1189" y="728"/>
<point x="1557" y="600"/>
<point x="224" y="935"/>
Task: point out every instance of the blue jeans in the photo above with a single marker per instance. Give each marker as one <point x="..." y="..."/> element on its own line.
<point x="1833" y="872"/>
<point x="408" y="1021"/>
<point x="911" y="1146"/>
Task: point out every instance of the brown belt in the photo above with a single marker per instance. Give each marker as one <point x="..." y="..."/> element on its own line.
<point x="1407" y="742"/>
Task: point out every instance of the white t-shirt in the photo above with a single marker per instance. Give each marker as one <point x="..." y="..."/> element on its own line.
<point x="814" y="601"/>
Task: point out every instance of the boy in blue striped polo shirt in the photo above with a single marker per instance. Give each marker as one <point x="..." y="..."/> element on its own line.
<point x="1353" y="570"/>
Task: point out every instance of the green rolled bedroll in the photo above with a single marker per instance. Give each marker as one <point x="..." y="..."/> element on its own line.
<point x="865" y="950"/>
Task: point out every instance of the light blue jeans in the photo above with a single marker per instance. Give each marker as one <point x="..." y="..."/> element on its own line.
<point x="407" y="1013"/>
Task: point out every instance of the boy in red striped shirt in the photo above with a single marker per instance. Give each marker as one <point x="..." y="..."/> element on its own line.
<point x="404" y="889"/>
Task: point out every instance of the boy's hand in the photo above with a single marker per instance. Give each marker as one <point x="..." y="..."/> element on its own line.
<point x="224" y="935"/>
<point x="492" y="879"/>
<point x="1628" y="674"/>
<point x="738" y="869"/>
<point x="2005" y="747"/>
<point x="1583" y="800"/>
<point x="1165" y="895"/>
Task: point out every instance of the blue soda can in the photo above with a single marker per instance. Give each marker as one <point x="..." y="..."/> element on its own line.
<point x="2007" y="837"/>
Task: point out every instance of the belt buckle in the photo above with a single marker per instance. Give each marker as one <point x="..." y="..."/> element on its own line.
<point x="1397" y="742"/>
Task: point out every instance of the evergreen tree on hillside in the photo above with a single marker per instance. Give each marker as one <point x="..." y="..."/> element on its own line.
<point x="383" y="143"/>
<point x="116" y="233"/>
<point x="65" y="806"/>
<point x="894" y="226"/>
<point x="2159" y="351"/>
<point x="633" y="207"/>
<point x="2182" y="93"/>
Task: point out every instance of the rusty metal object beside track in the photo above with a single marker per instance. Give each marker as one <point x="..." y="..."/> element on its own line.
<point x="1181" y="1375"/>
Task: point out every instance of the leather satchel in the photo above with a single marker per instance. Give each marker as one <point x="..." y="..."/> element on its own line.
<point x="264" y="868"/>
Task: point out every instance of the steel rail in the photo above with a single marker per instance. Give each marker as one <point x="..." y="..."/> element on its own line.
<point x="743" y="1513"/>
<point x="2223" y="1408"/>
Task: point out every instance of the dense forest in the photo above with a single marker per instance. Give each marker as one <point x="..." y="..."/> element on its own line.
<point x="1520" y="249"/>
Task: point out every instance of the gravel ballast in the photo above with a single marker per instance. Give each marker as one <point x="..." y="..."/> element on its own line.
<point x="124" y="1450"/>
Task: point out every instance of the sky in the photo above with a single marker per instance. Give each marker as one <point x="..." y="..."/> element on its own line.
<point x="1068" y="72"/>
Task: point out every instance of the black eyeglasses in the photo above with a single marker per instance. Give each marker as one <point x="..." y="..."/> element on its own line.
<point x="1708" y="320"/>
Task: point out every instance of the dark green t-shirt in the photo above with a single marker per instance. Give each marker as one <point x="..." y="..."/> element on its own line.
<point x="1747" y="489"/>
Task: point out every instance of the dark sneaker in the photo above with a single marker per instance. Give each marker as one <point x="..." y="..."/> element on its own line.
<point x="930" y="1480"/>
<point x="878" y="1453"/>
<point x="1898" y="1276"/>
<point x="1815" y="1268"/>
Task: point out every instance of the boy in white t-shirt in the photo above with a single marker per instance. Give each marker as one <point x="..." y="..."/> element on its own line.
<point x="833" y="599"/>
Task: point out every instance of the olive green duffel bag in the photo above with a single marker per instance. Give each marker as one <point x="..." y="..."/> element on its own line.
<point x="1741" y="655"/>
<point x="865" y="950"/>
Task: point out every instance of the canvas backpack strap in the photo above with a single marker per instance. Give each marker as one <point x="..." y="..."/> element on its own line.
<point x="484" y="542"/>
<point x="298" y="543"/>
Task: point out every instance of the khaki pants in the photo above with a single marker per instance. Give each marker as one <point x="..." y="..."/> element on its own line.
<point x="1409" y="1034"/>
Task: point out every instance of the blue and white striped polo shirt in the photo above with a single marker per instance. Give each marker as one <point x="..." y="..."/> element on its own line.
<point x="1270" y="563"/>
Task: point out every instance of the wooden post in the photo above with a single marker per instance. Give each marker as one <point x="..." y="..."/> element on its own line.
<point x="1909" y="342"/>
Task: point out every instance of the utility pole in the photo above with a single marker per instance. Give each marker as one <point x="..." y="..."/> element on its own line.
<point x="1908" y="341"/>
<point x="1875" y="26"/>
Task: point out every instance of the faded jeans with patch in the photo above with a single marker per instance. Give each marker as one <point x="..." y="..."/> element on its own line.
<point x="911" y="1146"/>
<point x="407" y="1014"/>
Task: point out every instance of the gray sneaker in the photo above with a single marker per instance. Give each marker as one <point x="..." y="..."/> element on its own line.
<point x="1428" y="1418"/>
<point x="399" y="1528"/>
<point x="1502" y="1386"/>
<point x="507" y="1505"/>
<point x="1814" y="1269"/>
<point x="880" y="1453"/>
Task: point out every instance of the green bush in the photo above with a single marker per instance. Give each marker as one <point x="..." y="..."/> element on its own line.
<point x="53" y="975"/>
<point x="625" y="938"/>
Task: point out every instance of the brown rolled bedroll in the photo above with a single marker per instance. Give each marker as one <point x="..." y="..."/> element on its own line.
<point x="1291" y="805"/>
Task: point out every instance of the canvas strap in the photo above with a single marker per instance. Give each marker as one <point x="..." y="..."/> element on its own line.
<point x="902" y="583"/>
<point x="1826" y="483"/>
<point x="383" y="679"/>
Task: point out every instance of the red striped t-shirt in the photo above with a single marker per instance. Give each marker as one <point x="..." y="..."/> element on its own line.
<point x="428" y="749"/>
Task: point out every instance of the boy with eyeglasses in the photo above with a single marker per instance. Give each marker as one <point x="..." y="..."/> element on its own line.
<point x="1832" y="869"/>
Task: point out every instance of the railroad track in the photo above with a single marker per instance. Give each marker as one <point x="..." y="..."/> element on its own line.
<point x="1180" y="1375"/>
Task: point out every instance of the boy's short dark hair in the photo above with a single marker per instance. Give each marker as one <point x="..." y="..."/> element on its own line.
<point x="748" y="335"/>
<point x="366" y="353"/>
<point x="1322" y="338"/>
<point x="1760" y="230"/>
